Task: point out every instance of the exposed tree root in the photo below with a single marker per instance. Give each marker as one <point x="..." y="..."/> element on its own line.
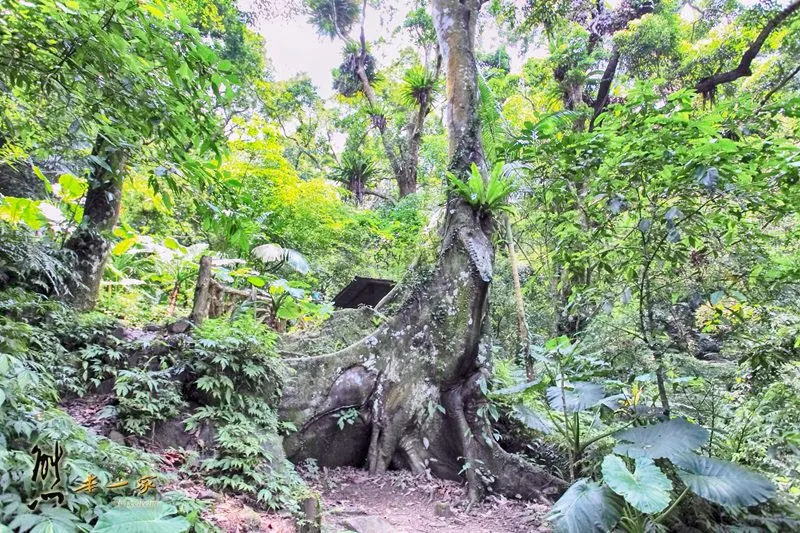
<point x="414" y="382"/>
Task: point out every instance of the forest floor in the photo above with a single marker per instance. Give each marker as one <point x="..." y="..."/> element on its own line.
<point x="399" y="502"/>
<point x="353" y="501"/>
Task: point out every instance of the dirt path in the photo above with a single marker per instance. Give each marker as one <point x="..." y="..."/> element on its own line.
<point x="399" y="502"/>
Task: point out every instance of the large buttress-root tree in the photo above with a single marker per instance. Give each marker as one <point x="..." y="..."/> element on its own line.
<point x="409" y="394"/>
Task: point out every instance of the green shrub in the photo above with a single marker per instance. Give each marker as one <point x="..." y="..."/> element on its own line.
<point x="146" y="397"/>
<point x="35" y="263"/>
<point x="241" y="376"/>
<point x="36" y="339"/>
<point x="640" y="499"/>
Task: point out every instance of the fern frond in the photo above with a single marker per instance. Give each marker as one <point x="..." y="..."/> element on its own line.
<point x="488" y="196"/>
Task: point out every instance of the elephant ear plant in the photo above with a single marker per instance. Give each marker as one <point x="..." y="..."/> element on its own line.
<point x="647" y="467"/>
<point x="581" y="411"/>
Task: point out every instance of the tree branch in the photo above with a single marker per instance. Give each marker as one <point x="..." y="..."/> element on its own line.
<point x="361" y="70"/>
<point x="708" y="85"/>
<point x="373" y="192"/>
<point x="780" y="85"/>
<point x="604" y="89"/>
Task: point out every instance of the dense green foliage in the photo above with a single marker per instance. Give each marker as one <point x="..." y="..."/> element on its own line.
<point x="36" y="336"/>
<point x="645" y="324"/>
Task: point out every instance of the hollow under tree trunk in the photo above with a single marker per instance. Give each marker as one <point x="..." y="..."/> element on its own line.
<point x="415" y="381"/>
<point x="100" y="213"/>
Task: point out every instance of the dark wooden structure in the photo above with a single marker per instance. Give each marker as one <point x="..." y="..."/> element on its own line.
<point x="363" y="291"/>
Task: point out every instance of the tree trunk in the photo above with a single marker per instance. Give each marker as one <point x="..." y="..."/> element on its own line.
<point x="522" y="323"/>
<point x="356" y="187"/>
<point x="100" y="213"/>
<point x="173" y="298"/>
<point x="416" y="380"/>
<point x="404" y="164"/>
<point x="407" y="180"/>
<point x="369" y="94"/>
<point x="202" y="292"/>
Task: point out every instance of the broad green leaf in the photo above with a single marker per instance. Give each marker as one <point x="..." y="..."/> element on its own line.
<point x="722" y="482"/>
<point x="71" y="187"/>
<point x="206" y="54"/>
<point x="646" y="489"/>
<point x="270" y="253"/>
<point x="124" y="245"/>
<point x="737" y="295"/>
<point x="15" y="210"/>
<point x="586" y="507"/>
<point x="289" y="310"/>
<point x="41" y="176"/>
<point x="120" y="232"/>
<point x="256" y="281"/>
<point x="57" y="521"/>
<point x="532" y="419"/>
<point x="24" y="522"/>
<point x="716" y="297"/>
<point x="577" y="396"/>
<point x="153" y="10"/>
<point x="141" y="516"/>
<point x="665" y="439"/>
<point x="297" y="261"/>
<point x="281" y="285"/>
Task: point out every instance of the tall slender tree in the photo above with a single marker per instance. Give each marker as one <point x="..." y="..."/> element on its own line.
<point x="336" y="18"/>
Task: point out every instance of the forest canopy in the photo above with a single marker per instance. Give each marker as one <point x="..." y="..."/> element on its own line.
<point x="584" y="218"/>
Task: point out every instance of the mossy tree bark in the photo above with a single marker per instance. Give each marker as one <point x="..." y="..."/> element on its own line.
<point x="410" y="394"/>
<point x="89" y="241"/>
